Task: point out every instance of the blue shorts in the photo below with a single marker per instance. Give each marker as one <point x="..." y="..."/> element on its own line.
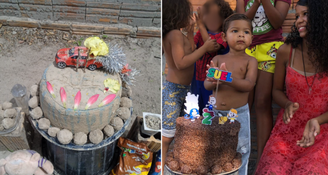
<point x="173" y="97"/>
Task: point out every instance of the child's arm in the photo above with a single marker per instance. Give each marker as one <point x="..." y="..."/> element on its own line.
<point x="276" y="14"/>
<point x="247" y="84"/>
<point x="240" y="8"/>
<point x="181" y="60"/>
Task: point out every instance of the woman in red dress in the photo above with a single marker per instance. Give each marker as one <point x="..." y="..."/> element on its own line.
<point x="299" y="141"/>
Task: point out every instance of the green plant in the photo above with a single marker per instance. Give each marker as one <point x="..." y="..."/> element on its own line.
<point x="104" y="36"/>
<point x="79" y="43"/>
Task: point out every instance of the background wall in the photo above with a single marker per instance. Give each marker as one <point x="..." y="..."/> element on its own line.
<point x="131" y="12"/>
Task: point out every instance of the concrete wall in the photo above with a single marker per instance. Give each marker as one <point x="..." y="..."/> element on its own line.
<point x="131" y="12"/>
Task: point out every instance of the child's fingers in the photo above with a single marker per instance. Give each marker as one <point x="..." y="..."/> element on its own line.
<point x="212" y="64"/>
<point x="199" y="11"/>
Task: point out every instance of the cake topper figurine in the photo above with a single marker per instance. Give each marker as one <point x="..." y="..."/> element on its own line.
<point x="192" y="108"/>
<point x="232" y="115"/>
<point x="219" y="74"/>
<point x="211" y="103"/>
<point x="208" y="112"/>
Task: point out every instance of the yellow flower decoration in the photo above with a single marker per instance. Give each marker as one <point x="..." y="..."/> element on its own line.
<point x="96" y="46"/>
<point x="113" y="85"/>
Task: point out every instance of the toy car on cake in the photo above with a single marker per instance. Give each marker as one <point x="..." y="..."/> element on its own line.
<point x="69" y="56"/>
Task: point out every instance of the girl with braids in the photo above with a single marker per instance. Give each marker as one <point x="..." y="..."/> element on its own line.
<point x="180" y="58"/>
<point x="298" y="143"/>
<point x="267" y="18"/>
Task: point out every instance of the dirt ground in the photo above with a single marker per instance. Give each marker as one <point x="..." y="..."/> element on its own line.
<point x="26" y="52"/>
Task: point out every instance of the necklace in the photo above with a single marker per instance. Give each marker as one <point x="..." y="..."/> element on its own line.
<point x="315" y="74"/>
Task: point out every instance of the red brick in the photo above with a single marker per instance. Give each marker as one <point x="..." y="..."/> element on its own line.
<point x="140" y="7"/>
<point x="69" y="16"/>
<point x="37" y="15"/>
<point x="19" y="23"/>
<point x="42" y="2"/>
<point x="65" y="27"/>
<point x="9" y="6"/>
<point x="98" y="11"/>
<point x="79" y="3"/>
<point x="87" y="28"/>
<point x="8" y="12"/>
<point x="39" y="8"/>
<point x="69" y="9"/>
<point x="85" y="33"/>
<point x="104" y="5"/>
<point x="149" y="31"/>
<point x="101" y="19"/>
<point x="10" y="1"/>
<point x="118" y="31"/>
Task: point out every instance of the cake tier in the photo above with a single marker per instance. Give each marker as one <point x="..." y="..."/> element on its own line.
<point x="198" y="148"/>
<point x="89" y="83"/>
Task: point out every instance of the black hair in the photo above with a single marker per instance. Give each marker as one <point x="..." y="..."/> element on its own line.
<point x="317" y="33"/>
<point x="175" y="15"/>
<point x="235" y="17"/>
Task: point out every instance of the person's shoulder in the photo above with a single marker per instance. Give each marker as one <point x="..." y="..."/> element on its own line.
<point x="250" y="58"/>
<point x="173" y="34"/>
<point x="284" y="49"/>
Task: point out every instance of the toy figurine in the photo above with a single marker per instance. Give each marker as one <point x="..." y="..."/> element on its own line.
<point x="211" y="103"/>
<point x="232" y="115"/>
<point x="192" y="108"/>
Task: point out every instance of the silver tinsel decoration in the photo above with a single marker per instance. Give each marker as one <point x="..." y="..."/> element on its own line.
<point x="114" y="62"/>
<point x="128" y="78"/>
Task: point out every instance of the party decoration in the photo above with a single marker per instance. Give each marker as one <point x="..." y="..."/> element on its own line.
<point x="107" y="100"/>
<point x="125" y="69"/>
<point x="112" y="85"/>
<point x="51" y="91"/>
<point x="207" y="119"/>
<point x="192" y="108"/>
<point x="97" y="46"/>
<point x="77" y="100"/>
<point x="232" y="115"/>
<point x="63" y="96"/>
<point x="211" y="103"/>
<point x="92" y="100"/>
<point x="222" y="120"/>
<point x="219" y="75"/>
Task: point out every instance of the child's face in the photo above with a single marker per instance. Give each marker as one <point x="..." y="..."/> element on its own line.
<point x="239" y="35"/>
<point x="212" y="19"/>
<point x="301" y="20"/>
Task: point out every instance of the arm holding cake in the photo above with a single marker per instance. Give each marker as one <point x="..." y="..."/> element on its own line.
<point x="244" y="85"/>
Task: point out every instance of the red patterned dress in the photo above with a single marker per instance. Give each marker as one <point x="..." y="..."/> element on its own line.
<point x="281" y="155"/>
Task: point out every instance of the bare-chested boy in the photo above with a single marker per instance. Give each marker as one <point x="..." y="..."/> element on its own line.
<point x="180" y="59"/>
<point x="237" y="32"/>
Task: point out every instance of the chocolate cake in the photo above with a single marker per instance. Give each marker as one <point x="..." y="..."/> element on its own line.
<point x="202" y="149"/>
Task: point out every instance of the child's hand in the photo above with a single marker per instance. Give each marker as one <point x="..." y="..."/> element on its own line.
<point x="211" y="45"/>
<point x="190" y="28"/>
<point x="222" y="67"/>
<point x="312" y="129"/>
<point x="199" y="17"/>
<point x="290" y="109"/>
